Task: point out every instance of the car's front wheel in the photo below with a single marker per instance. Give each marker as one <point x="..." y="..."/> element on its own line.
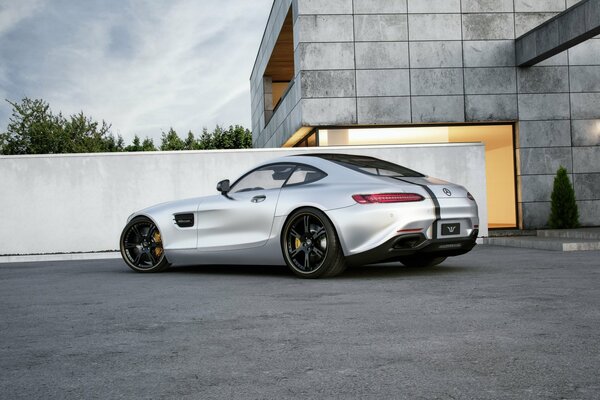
<point x="310" y="245"/>
<point x="421" y="261"/>
<point x="141" y="246"/>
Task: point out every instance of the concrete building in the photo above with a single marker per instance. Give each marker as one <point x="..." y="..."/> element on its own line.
<point x="521" y="76"/>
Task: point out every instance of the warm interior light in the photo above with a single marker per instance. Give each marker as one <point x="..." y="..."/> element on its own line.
<point x="278" y="89"/>
<point x="387" y="198"/>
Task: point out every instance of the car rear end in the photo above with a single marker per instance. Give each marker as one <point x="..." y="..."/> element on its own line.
<point x="407" y="216"/>
<point x="398" y="212"/>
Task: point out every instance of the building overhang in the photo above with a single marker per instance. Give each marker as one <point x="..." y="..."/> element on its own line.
<point x="567" y="29"/>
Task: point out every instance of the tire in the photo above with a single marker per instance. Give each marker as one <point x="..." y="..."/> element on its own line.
<point x="421" y="261"/>
<point x="141" y="246"/>
<point x="310" y="245"/>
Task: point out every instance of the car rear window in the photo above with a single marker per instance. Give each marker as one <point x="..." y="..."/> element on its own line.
<point x="370" y="165"/>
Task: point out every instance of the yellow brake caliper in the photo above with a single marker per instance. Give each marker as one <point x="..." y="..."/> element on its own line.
<point x="158" y="250"/>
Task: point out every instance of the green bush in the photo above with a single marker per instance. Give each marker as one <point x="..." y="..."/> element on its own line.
<point x="564" y="213"/>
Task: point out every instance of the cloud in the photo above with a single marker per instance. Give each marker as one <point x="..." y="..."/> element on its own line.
<point x="12" y="13"/>
<point x="143" y="66"/>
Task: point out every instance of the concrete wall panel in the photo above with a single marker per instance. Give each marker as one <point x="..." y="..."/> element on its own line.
<point x="324" y="28"/>
<point x="379" y="6"/>
<point x="324" y="6"/>
<point x="443" y="81"/>
<point x="586" y="53"/>
<point x="586" y="159"/>
<point x="588" y="212"/>
<point x="319" y="56"/>
<point x="585" y="78"/>
<point x="585" y="186"/>
<point x="535" y="215"/>
<point x="328" y="83"/>
<point x="585" y="105"/>
<point x="371" y="55"/>
<point x="383" y="110"/>
<point x="536" y="187"/>
<point x="434" y="27"/>
<point x="539" y="5"/>
<point x="372" y="28"/>
<point x="544" y="106"/>
<point x="491" y="107"/>
<point x="544" y="133"/>
<point x="488" y="26"/>
<point x="586" y="132"/>
<point x="490" y="80"/>
<point x="487" y="6"/>
<point x="433" y="6"/>
<point x="317" y="112"/>
<point x="489" y="53"/>
<point x="438" y="108"/>
<point x="543" y="80"/>
<point x="382" y="82"/>
<point x="446" y="54"/>
<point x="545" y="161"/>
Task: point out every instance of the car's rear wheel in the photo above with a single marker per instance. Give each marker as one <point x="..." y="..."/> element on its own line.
<point x="421" y="261"/>
<point x="310" y="245"/>
<point x="141" y="246"/>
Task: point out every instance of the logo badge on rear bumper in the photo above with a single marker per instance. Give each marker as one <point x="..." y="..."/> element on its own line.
<point x="450" y="229"/>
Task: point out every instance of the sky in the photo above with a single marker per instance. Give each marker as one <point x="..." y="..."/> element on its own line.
<point x="142" y="66"/>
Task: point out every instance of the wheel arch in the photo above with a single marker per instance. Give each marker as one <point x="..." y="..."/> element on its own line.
<point x="154" y="220"/>
<point x="314" y="207"/>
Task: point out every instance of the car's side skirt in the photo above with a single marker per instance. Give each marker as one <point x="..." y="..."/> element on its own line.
<point x="269" y="254"/>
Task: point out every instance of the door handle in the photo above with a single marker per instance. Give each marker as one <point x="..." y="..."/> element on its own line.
<point x="258" y="199"/>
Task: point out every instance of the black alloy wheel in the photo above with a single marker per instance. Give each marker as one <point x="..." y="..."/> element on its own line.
<point x="310" y="245"/>
<point x="142" y="247"/>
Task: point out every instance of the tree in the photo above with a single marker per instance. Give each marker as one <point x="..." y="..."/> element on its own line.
<point x="148" y="145"/>
<point x="564" y="213"/>
<point x="135" y="145"/>
<point x="190" y="142"/>
<point x="205" y="142"/>
<point x="34" y="129"/>
<point x="171" y="141"/>
<point x="236" y="137"/>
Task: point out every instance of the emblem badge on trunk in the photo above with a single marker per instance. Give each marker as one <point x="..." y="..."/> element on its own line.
<point x="447" y="192"/>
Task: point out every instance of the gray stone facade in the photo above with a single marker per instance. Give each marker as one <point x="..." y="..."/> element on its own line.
<point x="399" y="62"/>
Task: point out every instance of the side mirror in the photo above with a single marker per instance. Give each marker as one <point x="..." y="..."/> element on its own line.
<point x="223" y="186"/>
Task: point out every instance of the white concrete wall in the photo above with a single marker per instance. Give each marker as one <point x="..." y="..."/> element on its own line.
<point x="80" y="202"/>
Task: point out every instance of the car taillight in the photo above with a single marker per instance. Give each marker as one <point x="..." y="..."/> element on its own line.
<point x="387" y="198"/>
<point x="470" y="196"/>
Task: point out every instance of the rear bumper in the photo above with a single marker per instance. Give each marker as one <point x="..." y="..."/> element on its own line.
<point x="405" y="245"/>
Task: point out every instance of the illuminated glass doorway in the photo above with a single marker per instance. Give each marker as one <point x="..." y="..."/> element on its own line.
<point x="499" y="156"/>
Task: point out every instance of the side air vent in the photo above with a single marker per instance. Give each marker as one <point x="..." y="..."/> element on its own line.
<point x="184" y="220"/>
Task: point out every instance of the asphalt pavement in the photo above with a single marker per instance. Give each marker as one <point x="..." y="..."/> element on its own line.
<point x="497" y="323"/>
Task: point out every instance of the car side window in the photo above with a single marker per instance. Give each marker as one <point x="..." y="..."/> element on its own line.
<point x="305" y="174"/>
<point x="267" y="177"/>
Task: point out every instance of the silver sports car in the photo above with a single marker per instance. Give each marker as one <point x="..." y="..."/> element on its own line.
<point x="316" y="213"/>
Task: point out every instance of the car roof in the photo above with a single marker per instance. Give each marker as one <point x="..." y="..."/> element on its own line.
<point x="333" y="169"/>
